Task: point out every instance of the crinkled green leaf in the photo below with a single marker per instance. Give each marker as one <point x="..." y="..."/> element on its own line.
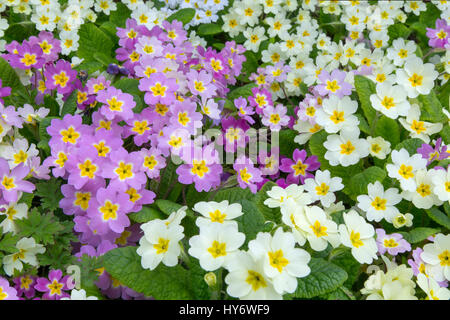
<point x="358" y="183"/>
<point x="183" y="15"/>
<point x="93" y="40"/>
<point x="209" y="29"/>
<point x="438" y="216"/>
<point x="162" y="283"/>
<point x="431" y="108"/>
<point x="324" y="277"/>
<point x="388" y="129"/>
<point x="270" y="214"/>
<point x="251" y="222"/>
<point x="419" y="234"/>
<point x="146" y="214"/>
<point x="42" y="228"/>
<point x="70" y="105"/>
<point x="365" y="88"/>
<point x="233" y="195"/>
<point x="50" y="193"/>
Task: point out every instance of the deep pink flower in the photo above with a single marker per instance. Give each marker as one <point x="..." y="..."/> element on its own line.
<point x="55" y="286"/>
<point x="158" y="89"/>
<point x="439" y="36"/>
<point x="60" y="76"/>
<point x="247" y="174"/>
<point x="299" y="167"/>
<point x="116" y="104"/>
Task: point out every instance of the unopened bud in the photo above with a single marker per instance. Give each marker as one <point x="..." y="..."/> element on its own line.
<point x="210" y="279"/>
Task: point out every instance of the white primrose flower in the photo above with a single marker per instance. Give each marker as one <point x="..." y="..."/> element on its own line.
<point x="28" y="248"/>
<point x="19" y="152"/>
<point x="401" y="220"/>
<point x="441" y="183"/>
<point x="379" y="204"/>
<point x="417" y="77"/>
<point x="379" y="147"/>
<point x="400" y="51"/>
<point x="160" y="244"/>
<point x="318" y="229"/>
<point x="337" y="114"/>
<point x="254" y="38"/>
<point x="279" y="197"/>
<point x="358" y="235"/>
<point x="246" y="279"/>
<point x="282" y="262"/>
<point x="404" y="168"/>
<point x="79" y="295"/>
<point x="12" y="211"/>
<point x="323" y="186"/>
<point x="390" y="100"/>
<point x="395" y="284"/>
<point x="417" y="128"/>
<point x="423" y="197"/>
<point x="346" y="148"/>
<point x="215" y="244"/>
<point x="437" y="255"/>
<point x="305" y="130"/>
<point x="217" y="212"/>
<point x="432" y="288"/>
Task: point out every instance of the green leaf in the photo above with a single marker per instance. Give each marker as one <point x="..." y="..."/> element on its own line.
<point x="70" y="105"/>
<point x="168" y="179"/>
<point x="162" y="283"/>
<point x="342" y="257"/>
<point x="50" y="103"/>
<point x="209" y="29"/>
<point x="233" y="195"/>
<point x="445" y="134"/>
<point x="43" y="135"/>
<point x="398" y="30"/>
<point x="146" y="214"/>
<point x="93" y="40"/>
<point x="286" y="138"/>
<point x="444" y="95"/>
<point x="120" y="15"/>
<point x="244" y="91"/>
<point x="10" y="78"/>
<point x="438" y="216"/>
<point x="431" y="108"/>
<point x="270" y="214"/>
<point x="251" y="222"/>
<point x="50" y="193"/>
<point x="363" y="125"/>
<point x="419" y="234"/>
<point x="167" y="206"/>
<point x="410" y="145"/>
<point x="365" y="88"/>
<point x="42" y="228"/>
<point x="324" y="277"/>
<point x="8" y="242"/>
<point x="388" y="129"/>
<point x="183" y="15"/>
<point x="359" y="182"/>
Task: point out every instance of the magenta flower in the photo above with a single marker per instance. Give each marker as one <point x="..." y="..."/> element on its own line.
<point x="260" y="99"/>
<point x="89" y="236"/>
<point x="69" y="130"/>
<point x="200" y="83"/>
<point x="244" y="111"/>
<point x="26" y="56"/>
<point x="124" y="170"/>
<point x="139" y="198"/>
<point x="94" y="85"/>
<point x="4" y="92"/>
<point x="6" y="291"/>
<point x="153" y="162"/>
<point x="201" y="167"/>
<point x="109" y="211"/>
<point x="129" y="35"/>
<point x="175" y="32"/>
<point x="299" y="166"/>
<point x="55" y="286"/>
<point x="58" y="158"/>
<point x="60" y="77"/>
<point x="184" y="116"/>
<point x="77" y="201"/>
<point x="11" y="181"/>
<point x="149" y="47"/>
<point x="275" y="118"/>
<point x="234" y="133"/>
<point x="10" y="116"/>
<point x="116" y="104"/>
<point x="50" y="46"/>
<point x="278" y="72"/>
<point x="307" y="109"/>
<point x="439" y="37"/>
<point x="25" y="286"/>
<point x="439" y="152"/>
<point x="392" y="243"/>
<point x="158" y="89"/>
<point x="247" y="174"/>
<point x="269" y="163"/>
<point x="333" y="83"/>
<point x="84" y="167"/>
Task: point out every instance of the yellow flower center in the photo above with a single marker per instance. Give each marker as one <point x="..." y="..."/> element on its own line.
<point x="390" y="243"/>
<point x="318" y="229"/>
<point x="102" y="149"/>
<point x="218" y="249"/>
<point x="245" y="176"/>
<point x="183" y="118"/>
<point x="159" y="90"/>
<point x="115" y="104"/>
<point x="8" y="182"/>
<point x="82" y="200"/>
<point x="55" y="287"/>
<point x="444" y="257"/>
<point x="150" y="162"/>
<point x="134" y="195"/>
<point x="20" y="157"/>
<point x="355" y="239"/>
<point x="337" y="117"/>
<point x="379" y="204"/>
<point x="199" y="168"/>
<point x="323" y="189"/>
<point x="300" y="168"/>
<point x="109" y="211"/>
<point x="122" y="240"/>
<point x="70" y="135"/>
<point x="418" y="126"/>
<point x="61" y="79"/>
<point x="124" y="170"/>
<point x="416" y="80"/>
<point x="28" y="59"/>
<point x="347" y="148"/>
<point x="406" y="171"/>
<point x="277" y="260"/>
<point x="388" y="102"/>
<point x="140" y="127"/>
<point x="217" y="216"/>
<point x="62" y="158"/>
<point x="333" y="86"/>
<point x="424" y="190"/>
<point x="87" y="169"/>
<point x="256" y="280"/>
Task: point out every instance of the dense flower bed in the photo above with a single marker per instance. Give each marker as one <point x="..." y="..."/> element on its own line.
<point x="219" y="149"/>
